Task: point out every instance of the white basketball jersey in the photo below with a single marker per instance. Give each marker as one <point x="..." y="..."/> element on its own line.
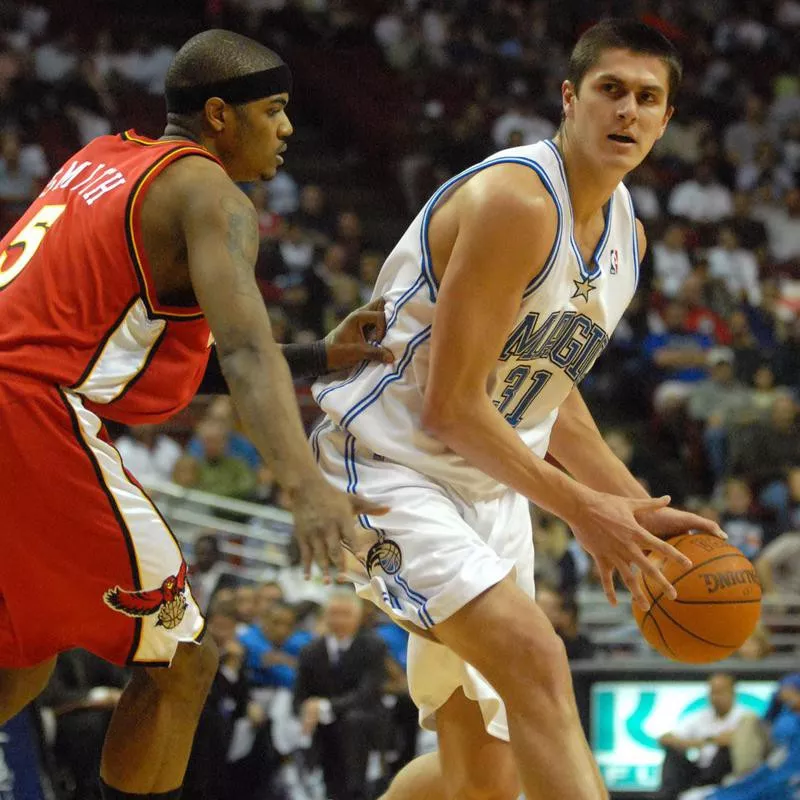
<point x="566" y="317"/>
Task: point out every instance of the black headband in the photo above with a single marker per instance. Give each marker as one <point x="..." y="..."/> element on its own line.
<point x="243" y="89"/>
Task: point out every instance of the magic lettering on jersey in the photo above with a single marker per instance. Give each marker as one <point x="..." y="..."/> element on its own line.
<point x="90" y="181"/>
<point x="569" y="340"/>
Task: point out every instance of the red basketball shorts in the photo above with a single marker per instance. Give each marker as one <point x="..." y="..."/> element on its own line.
<point x="86" y="560"/>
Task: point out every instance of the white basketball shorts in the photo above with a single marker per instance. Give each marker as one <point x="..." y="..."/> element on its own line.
<point x="426" y="559"/>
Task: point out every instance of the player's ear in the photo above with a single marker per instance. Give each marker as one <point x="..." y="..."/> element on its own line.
<point x="667" y="117"/>
<point x="568" y="97"/>
<point x="215" y="113"/>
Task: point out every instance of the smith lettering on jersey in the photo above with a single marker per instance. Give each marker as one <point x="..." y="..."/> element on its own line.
<point x="566" y="316"/>
<point x="77" y="300"/>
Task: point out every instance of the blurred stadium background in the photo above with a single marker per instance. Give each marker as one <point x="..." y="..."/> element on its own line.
<point x="697" y="392"/>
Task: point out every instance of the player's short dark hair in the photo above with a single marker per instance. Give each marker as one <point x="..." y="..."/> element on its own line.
<point x="624" y="34"/>
<point x="217" y="55"/>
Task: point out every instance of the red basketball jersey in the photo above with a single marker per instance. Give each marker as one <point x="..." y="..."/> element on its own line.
<point x="77" y="304"/>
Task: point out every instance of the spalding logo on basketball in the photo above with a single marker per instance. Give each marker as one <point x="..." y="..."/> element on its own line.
<point x="718" y="604"/>
<point x="386" y="555"/>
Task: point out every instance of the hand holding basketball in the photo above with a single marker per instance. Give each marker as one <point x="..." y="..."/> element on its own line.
<point x="609" y="529"/>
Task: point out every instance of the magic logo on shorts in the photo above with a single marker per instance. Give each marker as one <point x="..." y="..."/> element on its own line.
<point x="168" y="601"/>
<point x="386" y="555"/>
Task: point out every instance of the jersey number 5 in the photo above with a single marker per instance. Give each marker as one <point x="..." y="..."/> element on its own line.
<point x="515" y="380"/>
<point x="27" y="243"/>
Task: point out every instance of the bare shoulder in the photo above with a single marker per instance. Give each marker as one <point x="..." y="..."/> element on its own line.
<point x="197" y="184"/>
<point x="509" y="191"/>
<point x="641" y="239"/>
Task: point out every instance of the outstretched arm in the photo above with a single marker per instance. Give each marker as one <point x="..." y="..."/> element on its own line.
<point x="220" y="230"/>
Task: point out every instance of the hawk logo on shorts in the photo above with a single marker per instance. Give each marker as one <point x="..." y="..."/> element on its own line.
<point x="168" y="601"/>
<point x="386" y="555"/>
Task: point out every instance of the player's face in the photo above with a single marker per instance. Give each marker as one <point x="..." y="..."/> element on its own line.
<point x="621" y="108"/>
<point x="261" y="130"/>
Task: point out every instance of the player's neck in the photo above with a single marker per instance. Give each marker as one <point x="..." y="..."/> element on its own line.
<point x="589" y="187"/>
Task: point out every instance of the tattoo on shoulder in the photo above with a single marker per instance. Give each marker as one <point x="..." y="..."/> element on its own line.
<point x="242" y="236"/>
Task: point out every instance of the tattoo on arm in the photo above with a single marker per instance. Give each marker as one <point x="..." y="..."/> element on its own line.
<point x="242" y="236"/>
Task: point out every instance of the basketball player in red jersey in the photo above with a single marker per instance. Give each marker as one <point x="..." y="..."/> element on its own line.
<point x="136" y="256"/>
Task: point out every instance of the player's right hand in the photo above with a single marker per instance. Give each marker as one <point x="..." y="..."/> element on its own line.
<point x="324" y="519"/>
<point x="609" y="529"/>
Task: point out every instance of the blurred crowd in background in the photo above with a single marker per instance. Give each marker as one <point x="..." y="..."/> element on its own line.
<point x="698" y="390"/>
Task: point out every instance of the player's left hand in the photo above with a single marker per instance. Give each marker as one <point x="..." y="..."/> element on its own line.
<point x="666" y="522"/>
<point x="357" y="338"/>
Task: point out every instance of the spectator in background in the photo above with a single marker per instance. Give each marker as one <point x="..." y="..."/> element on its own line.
<point x="368" y="268"/>
<point x="350" y="235"/>
<point x="757" y="645"/>
<point x="679" y="356"/>
<point x="563" y="616"/>
<point x="245" y="607"/>
<point x="88" y="101"/>
<point x="19" y="181"/>
<point x="296" y="251"/>
<point x="718" y="402"/>
<point x="752" y="233"/>
<point x="782" y="221"/>
<point x="742" y="137"/>
<point x="556" y="563"/>
<point x="787" y="357"/>
<point x="148" y="453"/>
<point x="763" y="393"/>
<point x="207" y="574"/>
<point x="209" y="775"/>
<point x="747" y="354"/>
<point x="766" y="172"/>
<point x="314" y="216"/>
<point x="342" y="288"/>
<point x="643" y="186"/>
<point x="270" y="224"/>
<point x="145" y="64"/>
<point x="521" y="116"/>
<point x="701" y="198"/>
<point x="53" y="59"/>
<point x="186" y="472"/>
<point x="779" y="776"/>
<point x="338" y="696"/>
<point x="745" y="529"/>
<point x="82" y="693"/>
<point x="736" y="267"/>
<point x="702" y="314"/>
<point x="284" y="194"/>
<point x="221" y="473"/>
<point x="267" y="594"/>
<point x="763" y="453"/>
<point x="671" y="264"/>
<point x="778" y="565"/>
<point x="709" y="733"/>
<point x="237" y="445"/>
<point x="272" y="646"/>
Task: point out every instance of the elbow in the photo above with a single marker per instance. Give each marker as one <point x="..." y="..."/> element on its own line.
<point x="445" y="419"/>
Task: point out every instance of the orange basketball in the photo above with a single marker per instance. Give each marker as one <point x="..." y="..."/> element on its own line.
<point x="717" y="607"/>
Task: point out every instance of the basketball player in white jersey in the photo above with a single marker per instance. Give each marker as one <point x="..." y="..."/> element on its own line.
<point x="499" y="298"/>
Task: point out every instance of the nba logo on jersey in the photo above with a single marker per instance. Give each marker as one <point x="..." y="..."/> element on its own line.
<point x="614" y="261"/>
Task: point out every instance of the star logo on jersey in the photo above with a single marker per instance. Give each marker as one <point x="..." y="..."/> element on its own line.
<point x="583" y="288"/>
